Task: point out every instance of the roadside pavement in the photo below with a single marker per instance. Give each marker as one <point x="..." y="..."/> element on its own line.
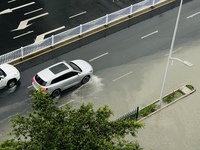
<point x="176" y="127"/>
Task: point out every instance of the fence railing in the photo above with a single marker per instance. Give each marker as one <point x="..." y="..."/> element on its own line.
<point x="133" y="115"/>
<point x="74" y="32"/>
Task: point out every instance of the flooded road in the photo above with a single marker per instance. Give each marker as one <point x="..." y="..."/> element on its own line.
<point x="177" y="127"/>
<point x="138" y="83"/>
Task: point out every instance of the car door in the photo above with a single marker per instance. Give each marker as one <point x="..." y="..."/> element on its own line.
<point x="65" y="81"/>
<point x="71" y="78"/>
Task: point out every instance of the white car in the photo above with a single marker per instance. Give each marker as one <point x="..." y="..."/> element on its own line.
<point x="62" y="75"/>
<point x="9" y="76"/>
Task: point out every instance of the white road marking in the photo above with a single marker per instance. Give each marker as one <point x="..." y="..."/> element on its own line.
<point x="149" y="34"/>
<point x="5" y="11"/>
<point x="122" y="76"/>
<point x="41" y="36"/>
<point x="29" y="87"/>
<point x="11" y="1"/>
<point x="14" y="115"/>
<point x="66" y="103"/>
<point x="22" y="6"/>
<point x="24" y="24"/>
<point x="174" y="51"/>
<point x="22" y="34"/>
<point x="33" y="11"/>
<point x="98" y="57"/>
<point x="77" y="15"/>
<point x="11" y="10"/>
<point x="193" y="15"/>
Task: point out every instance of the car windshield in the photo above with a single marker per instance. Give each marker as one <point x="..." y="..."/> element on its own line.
<point x="74" y="66"/>
<point x="40" y="81"/>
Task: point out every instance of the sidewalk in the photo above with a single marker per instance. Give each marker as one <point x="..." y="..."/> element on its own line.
<point x="177" y="126"/>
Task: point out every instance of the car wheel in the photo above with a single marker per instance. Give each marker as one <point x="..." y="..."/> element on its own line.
<point x="56" y="93"/>
<point x="11" y="83"/>
<point x="85" y="79"/>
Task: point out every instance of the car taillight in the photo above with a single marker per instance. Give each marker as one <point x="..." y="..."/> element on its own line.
<point x="44" y="89"/>
<point x="39" y="86"/>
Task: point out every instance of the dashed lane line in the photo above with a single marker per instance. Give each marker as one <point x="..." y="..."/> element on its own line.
<point x="149" y="34"/>
<point x="22" y="34"/>
<point x="33" y="11"/>
<point x="77" y="15"/>
<point x="98" y="57"/>
<point x="66" y="103"/>
<point x="29" y="87"/>
<point x="11" y="1"/>
<point x="122" y="76"/>
<point x="191" y="16"/>
<point x="174" y="51"/>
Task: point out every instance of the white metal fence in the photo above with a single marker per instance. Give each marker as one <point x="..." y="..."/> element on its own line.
<point x="74" y="32"/>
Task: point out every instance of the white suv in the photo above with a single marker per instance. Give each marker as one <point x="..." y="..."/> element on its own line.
<point x="9" y="76"/>
<point x="62" y="75"/>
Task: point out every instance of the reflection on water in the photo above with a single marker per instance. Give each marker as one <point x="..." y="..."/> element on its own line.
<point x="85" y="92"/>
<point x="5" y="91"/>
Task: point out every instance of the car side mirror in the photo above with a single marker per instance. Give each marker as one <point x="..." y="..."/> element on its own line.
<point x="1" y="77"/>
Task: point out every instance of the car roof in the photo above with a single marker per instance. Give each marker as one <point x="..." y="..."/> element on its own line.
<point x="59" y="68"/>
<point x="54" y="71"/>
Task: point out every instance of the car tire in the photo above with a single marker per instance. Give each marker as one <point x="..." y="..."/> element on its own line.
<point x="11" y="83"/>
<point x="85" y="79"/>
<point x="56" y="93"/>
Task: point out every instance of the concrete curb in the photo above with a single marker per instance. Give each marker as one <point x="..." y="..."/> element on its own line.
<point x="182" y="88"/>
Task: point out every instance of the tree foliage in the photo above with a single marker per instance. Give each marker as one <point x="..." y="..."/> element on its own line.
<point x="49" y="127"/>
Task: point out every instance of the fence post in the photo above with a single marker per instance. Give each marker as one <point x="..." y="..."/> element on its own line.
<point x="154" y="2"/>
<point x="137" y="113"/>
<point x="153" y="5"/>
<point x="106" y="20"/>
<point x="81" y="30"/>
<point x="22" y="53"/>
<point x="52" y="40"/>
<point x="131" y="9"/>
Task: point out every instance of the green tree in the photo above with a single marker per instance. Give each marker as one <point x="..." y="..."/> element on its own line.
<point x="48" y="127"/>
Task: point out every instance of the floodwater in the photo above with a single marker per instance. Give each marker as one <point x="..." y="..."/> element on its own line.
<point x="177" y="127"/>
<point x="85" y="93"/>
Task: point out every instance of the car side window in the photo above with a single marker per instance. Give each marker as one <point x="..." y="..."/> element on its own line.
<point x="71" y="74"/>
<point x="2" y="74"/>
<point x="63" y="77"/>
